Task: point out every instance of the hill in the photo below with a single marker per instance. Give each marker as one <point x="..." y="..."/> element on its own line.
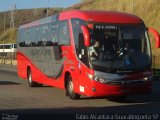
<point x="20" y="17"/>
<point x="148" y="10"/>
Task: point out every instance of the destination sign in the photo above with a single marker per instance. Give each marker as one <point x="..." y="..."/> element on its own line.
<point x="105" y="27"/>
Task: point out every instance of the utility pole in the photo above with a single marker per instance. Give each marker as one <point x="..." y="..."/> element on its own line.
<point x="35" y="12"/>
<point x="3" y="54"/>
<point x="12" y="16"/>
<point x="47" y="8"/>
<point x="5" y="14"/>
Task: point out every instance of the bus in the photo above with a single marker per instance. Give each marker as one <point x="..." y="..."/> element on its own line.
<point x="8" y="48"/>
<point x="58" y="51"/>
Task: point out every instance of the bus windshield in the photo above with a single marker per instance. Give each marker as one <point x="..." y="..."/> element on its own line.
<point x="116" y="48"/>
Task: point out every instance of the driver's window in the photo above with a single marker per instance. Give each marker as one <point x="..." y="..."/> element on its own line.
<point x="79" y="39"/>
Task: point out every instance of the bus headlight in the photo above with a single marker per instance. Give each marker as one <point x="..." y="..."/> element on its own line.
<point x="90" y="76"/>
<point x="96" y="78"/>
<point x="148" y="78"/>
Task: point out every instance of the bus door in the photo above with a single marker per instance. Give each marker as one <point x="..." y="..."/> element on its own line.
<point x="81" y="51"/>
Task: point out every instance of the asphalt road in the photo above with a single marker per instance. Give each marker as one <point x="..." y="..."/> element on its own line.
<point x="17" y="98"/>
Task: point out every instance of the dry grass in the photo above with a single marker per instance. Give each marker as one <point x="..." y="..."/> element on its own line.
<point x="148" y="10"/>
<point x="21" y="17"/>
<point x="9" y="36"/>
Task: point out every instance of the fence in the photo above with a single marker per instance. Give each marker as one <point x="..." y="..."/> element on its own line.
<point x="8" y="58"/>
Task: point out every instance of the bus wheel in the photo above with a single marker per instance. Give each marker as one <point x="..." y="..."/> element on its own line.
<point x="30" y="81"/>
<point x="70" y="89"/>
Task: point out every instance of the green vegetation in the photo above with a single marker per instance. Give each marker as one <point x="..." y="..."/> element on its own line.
<point x="148" y="10"/>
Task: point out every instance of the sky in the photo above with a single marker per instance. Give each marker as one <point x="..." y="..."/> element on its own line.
<point x="6" y="5"/>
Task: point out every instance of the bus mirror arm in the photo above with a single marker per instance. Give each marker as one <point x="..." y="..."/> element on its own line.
<point x="156" y="35"/>
<point x="86" y="35"/>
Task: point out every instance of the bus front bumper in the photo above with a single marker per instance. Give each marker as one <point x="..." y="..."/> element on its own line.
<point x="121" y="89"/>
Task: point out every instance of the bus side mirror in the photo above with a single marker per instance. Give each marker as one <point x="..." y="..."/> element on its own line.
<point x="86" y="35"/>
<point x="156" y="35"/>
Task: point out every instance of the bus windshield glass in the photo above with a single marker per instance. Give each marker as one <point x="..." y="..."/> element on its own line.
<point x="116" y="48"/>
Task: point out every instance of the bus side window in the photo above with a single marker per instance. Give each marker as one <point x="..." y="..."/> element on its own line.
<point x="49" y="41"/>
<point x="33" y="43"/>
<point x="39" y="42"/>
<point x="28" y="35"/>
<point x="21" y="37"/>
<point x="55" y="39"/>
<point x="54" y="33"/>
<point x="36" y="35"/>
<point x="81" y="46"/>
<point x="44" y="35"/>
<point x="81" y="50"/>
<point x="64" y="38"/>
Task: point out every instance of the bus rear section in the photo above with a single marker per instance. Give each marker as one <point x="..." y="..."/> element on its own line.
<point x="87" y="53"/>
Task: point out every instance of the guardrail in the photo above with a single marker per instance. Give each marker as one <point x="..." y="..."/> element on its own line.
<point x="8" y="58"/>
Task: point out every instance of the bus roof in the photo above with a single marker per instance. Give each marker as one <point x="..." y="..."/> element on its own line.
<point x="101" y="16"/>
<point x="90" y="15"/>
<point x="49" y="19"/>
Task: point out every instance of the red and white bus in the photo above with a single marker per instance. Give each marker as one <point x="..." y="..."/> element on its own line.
<point x="58" y="51"/>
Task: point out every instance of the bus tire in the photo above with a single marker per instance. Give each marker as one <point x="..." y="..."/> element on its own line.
<point x="30" y="81"/>
<point x="70" y="89"/>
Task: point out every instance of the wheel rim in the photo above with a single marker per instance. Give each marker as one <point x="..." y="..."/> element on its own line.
<point x="30" y="78"/>
<point x="70" y="87"/>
